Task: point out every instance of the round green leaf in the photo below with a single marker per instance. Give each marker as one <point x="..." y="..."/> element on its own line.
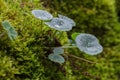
<point x="56" y="58"/>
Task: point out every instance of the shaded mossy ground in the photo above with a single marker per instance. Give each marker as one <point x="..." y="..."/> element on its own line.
<point x="26" y="57"/>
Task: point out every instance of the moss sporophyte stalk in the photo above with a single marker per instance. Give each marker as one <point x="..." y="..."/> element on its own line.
<point x="85" y="42"/>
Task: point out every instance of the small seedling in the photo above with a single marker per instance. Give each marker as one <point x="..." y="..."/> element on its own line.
<point x="85" y="42"/>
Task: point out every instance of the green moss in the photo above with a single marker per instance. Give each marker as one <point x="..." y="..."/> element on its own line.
<point x="7" y="67"/>
<point x="2" y="5"/>
<point x="26" y="57"/>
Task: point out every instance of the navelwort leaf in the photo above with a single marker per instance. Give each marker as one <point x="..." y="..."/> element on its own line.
<point x="68" y="19"/>
<point x="94" y="49"/>
<point x="88" y="44"/>
<point x="12" y="34"/>
<point x="58" y="50"/>
<point x="59" y="24"/>
<point x="56" y="58"/>
<point x="41" y="14"/>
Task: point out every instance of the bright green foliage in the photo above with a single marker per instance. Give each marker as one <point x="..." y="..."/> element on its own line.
<point x="74" y="35"/>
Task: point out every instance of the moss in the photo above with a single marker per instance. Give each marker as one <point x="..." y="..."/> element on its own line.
<point x="8" y="69"/>
<point x="26" y="57"/>
<point x="2" y="5"/>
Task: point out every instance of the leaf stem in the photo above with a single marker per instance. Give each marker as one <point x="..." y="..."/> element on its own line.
<point x="69" y="46"/>
<point x="83" y="59"/>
